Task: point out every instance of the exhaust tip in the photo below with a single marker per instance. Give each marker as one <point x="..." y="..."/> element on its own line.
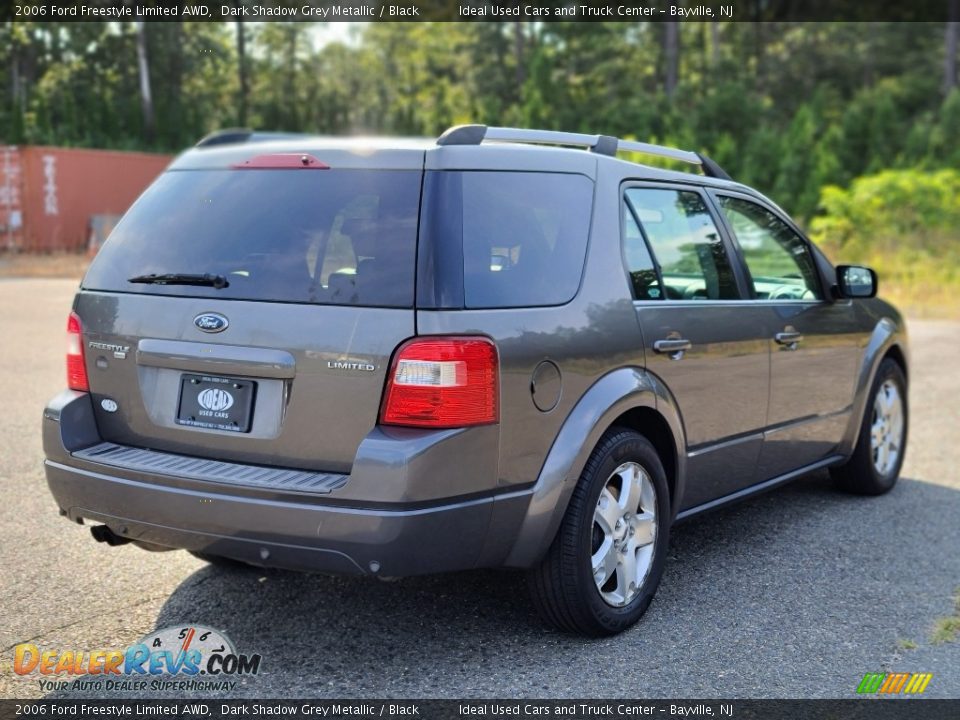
<point x="103" y="534"/>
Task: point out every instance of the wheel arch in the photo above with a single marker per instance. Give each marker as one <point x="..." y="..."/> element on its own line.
<point x="896" y="353"/>
<point x="654" y="427"/>
<point x="888" y="340"/>
<point x="630" y="397"/>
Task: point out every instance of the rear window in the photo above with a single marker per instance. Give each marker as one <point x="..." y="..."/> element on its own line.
<point x="523" y="237"/>
<point x="341" y="237"/>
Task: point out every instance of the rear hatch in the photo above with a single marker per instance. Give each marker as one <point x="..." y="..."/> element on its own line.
<point x="248" y="304"/>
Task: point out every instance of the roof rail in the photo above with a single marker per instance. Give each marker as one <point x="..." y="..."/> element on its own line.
<point x="602" y="144"/>
<point x="476" y="134"/>
<point x="233" y="136"/>
<point x="225" y="137"/>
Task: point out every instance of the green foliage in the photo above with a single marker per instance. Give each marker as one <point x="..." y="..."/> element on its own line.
<point x="905" y="224"/>
<point x="890" y="205"/>
<point x="787" y="108"/>
<point x="863" y="89"/>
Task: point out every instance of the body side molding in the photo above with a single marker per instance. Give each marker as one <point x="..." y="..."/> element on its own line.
<point x="757" y="489"/>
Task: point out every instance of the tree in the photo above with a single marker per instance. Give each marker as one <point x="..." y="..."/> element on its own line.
<point x="878" y="87"/>
<point x="146" y="98"/>
<point x="950" y="47"/>
<point x="242" y="77"/>
<point x="714" y="44"/>
<point x="519" y="52"/>
<point x="671" y="56"/>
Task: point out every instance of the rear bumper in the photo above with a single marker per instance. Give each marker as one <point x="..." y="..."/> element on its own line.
<point x="279" y="534"/>
<point x="272" y="528"/>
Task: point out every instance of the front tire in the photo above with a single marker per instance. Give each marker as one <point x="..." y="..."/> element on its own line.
<point x="874" y="467"/>
<point x="605" y="564"/>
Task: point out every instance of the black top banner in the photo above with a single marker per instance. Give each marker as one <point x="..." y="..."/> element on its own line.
<point x="485" y="10"/>
<point x="510" y="709"/>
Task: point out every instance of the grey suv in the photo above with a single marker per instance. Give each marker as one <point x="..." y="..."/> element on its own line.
<point x="503" y="348"/>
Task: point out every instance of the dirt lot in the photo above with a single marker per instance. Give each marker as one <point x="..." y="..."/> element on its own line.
<point x="794" y="594"/>
<point x="58" y="265"/>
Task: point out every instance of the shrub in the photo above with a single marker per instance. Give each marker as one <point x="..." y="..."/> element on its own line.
<point x="903" y="223"/>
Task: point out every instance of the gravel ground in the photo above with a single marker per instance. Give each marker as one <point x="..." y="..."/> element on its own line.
<point x="796" y="593"/>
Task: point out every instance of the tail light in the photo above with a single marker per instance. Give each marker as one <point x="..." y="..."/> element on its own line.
<point x="76" y="367"/>
<point x="443" y="382"/>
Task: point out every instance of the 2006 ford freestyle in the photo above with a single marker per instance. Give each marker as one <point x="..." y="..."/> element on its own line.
<point x="505" y="348"/>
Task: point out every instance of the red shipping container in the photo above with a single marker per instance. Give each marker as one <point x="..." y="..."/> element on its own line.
<point x="48" y="195"/>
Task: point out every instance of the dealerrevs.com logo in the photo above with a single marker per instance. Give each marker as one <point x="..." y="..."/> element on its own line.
<point x="192" y="657"/>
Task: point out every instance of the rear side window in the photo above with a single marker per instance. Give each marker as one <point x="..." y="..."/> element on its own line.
<point x="684" y="239"/>
<point x="341" y="237"/>
<point x="522" y="236"/>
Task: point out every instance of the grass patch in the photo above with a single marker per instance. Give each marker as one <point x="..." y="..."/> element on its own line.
<point x="906" y="644"/>
<point x="946" y="629"/>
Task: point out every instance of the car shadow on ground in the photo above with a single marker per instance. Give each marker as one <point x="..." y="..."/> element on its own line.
<point x="789" y="594"/>
<point x="800" y="562"/>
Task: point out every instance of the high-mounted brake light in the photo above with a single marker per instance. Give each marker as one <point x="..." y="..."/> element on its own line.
<point x="443" y="382"/>
<point x="76" y="367"/>
<point x="281" y="161"/>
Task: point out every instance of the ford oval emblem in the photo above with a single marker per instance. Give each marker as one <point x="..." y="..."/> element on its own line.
<point x="211" y="322"/>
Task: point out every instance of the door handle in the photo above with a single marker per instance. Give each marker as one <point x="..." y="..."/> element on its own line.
<point x="790" y="339"/>
<point x="674" y="347"/>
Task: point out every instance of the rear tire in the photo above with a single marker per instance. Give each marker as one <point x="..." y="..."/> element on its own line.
<point x="605" y="564"/>
<point x="874" y="467"/>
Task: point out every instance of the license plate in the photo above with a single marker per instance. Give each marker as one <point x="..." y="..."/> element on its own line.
<point x="216" y="403"/>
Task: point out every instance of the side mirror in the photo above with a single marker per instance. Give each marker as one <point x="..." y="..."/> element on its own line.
<point x="855" y="281"/>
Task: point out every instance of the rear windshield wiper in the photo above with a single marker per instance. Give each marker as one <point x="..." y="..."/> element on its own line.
<point x="206" y="280"/>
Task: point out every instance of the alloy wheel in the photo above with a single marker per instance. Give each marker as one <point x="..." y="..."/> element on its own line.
<point x="624" y="533"/>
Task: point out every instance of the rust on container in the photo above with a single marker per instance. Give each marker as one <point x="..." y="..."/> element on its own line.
<point x="49" y="196"/>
